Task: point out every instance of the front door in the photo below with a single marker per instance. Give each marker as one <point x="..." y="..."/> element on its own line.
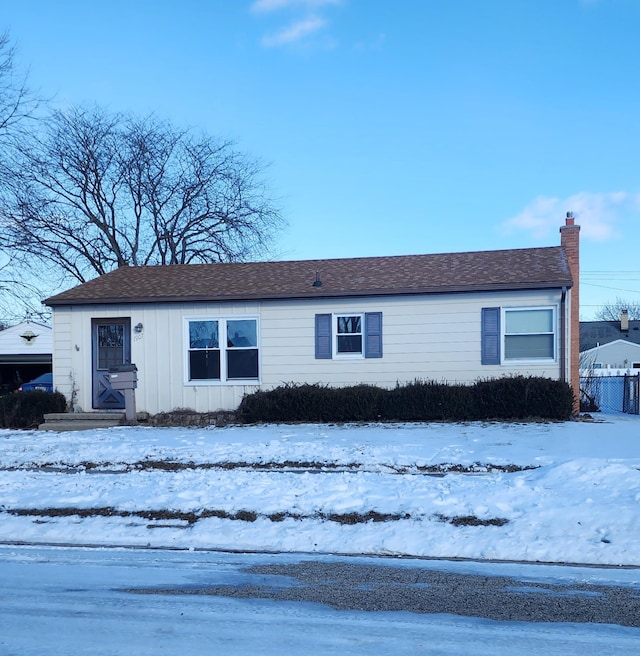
<point x="111" y="346"/>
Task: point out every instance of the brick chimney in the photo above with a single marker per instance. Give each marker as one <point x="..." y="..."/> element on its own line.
<point x="624" y="321"/>
<point x="570" y="242"/>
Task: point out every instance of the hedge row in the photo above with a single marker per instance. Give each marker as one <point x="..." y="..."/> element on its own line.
<point x="513" y="398"/>
<point x="27" y="409"/>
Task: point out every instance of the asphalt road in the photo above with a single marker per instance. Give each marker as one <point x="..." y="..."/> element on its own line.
<point x="119" y="602"/>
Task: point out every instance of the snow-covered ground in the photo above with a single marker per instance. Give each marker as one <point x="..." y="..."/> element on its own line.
<point x="565" y="492"/>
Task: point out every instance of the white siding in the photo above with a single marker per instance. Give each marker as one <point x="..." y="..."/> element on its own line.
<point x="12" y="342"/>
<point x="618" y="354"/>
<point x="430" y="338"/>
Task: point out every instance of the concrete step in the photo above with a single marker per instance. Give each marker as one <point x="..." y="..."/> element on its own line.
<point x="66" y="421"/>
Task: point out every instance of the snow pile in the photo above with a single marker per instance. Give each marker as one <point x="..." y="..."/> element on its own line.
<point x="537" y="492"/>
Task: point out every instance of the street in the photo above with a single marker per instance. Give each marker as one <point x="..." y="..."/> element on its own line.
<point x="122" y="601"/>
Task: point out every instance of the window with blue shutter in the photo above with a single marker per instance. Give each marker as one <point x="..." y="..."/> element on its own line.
<point x="373" y="335"/>
<point x="356" y="335"/>
<point x="324" y="346"/>
<point x="490" y="335"/>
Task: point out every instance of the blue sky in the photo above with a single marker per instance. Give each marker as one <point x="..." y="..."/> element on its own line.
<point x="391" y="127"/>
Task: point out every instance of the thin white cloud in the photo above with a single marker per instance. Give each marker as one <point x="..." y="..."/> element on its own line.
<point x="267" y="6"/>
<point x="307" y="19"/>
<point x="295" y="32"/>
<point x="598" y="214"/>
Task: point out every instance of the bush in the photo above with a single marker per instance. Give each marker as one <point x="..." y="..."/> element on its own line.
<point x="519" y="397"/>
<point x="512" y="398"/>
<point x="27" y="409"/>
<point x="429" y="401"/>
<point x="312" y="403"/>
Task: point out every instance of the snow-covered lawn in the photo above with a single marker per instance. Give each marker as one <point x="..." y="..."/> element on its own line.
<point x="566" y="492"/>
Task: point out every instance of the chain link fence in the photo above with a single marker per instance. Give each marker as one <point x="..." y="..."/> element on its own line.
<point x="610" y="393"/>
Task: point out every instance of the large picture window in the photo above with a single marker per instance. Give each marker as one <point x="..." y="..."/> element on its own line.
<point x="529" y="334"/>
<point x="232" y="358"/>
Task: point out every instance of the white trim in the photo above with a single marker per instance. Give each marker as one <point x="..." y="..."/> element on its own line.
<point x="222" y="332"/>
<point x="334" y="336"/>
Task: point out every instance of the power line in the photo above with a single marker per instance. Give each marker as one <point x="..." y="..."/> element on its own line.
<point x="618" y="289"/>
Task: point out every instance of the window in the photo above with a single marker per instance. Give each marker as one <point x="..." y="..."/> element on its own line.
<point x="242" y="348"/>
<point x="518" y="334"/>
<point x="529" y="334"/>
<point x="110" y="345"/>
<point x="349" y="335"/>
<point x="233" y="358"/>
<point x="204" y="350"/>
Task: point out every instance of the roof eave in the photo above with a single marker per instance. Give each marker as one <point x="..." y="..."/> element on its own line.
<point x="450" y="289"/>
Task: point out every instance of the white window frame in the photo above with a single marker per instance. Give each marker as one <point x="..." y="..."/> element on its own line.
<point x="554" y="333"/>
<point x="223" y="348"/>
<point x="347" y="356"/>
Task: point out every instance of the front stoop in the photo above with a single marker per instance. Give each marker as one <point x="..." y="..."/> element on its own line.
<point x="67" y="421"/>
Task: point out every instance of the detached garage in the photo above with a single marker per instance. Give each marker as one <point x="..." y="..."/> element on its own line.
<point x="25" y="352"/>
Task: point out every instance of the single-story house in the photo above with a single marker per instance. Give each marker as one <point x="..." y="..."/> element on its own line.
<point x="610" y="345"/>
<point x="619" y="356"/>
<point x="25" y="352"/>
<point x="203" y="335"/>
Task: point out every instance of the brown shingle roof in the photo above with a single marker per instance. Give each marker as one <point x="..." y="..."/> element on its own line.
<point x="404" y="274"/>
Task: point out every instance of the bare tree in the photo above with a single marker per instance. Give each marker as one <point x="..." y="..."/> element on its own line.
<point x="95" y="191"/>
<point x="18" y="107"/>
<point x="17" y="103"/>
<point x="612" y="311"/>
<point x="19" y="298"/>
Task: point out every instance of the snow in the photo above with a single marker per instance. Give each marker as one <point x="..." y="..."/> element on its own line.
<point x="574" y="496"/>
<point x="569" y="492"/>
<point x="62" y="602"/>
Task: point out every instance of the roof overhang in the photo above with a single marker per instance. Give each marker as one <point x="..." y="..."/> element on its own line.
<point x="320" y="293"/>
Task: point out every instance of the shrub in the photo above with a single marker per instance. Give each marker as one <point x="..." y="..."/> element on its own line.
<point x="429" y="401"/>
<point x="27" y="409"/>
<point x="520" y="397"/>
<point x="312" y="403"/>
<point x="516" y="397"/>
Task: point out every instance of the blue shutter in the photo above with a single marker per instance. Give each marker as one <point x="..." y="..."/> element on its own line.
<point x="490" y="336"/>
<point x="373" y="335"/>
<point x="323" y="336"/>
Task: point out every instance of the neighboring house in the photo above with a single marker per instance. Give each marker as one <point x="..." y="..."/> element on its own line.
<point x="203" y="335"/>
<point x="610" y="345"/>
<point x="619" y="356"/>
<point x="25" y="352"/>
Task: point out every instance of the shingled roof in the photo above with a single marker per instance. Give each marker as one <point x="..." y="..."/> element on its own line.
<point x="530" y="268"/>
<point x="598" y="333"/>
